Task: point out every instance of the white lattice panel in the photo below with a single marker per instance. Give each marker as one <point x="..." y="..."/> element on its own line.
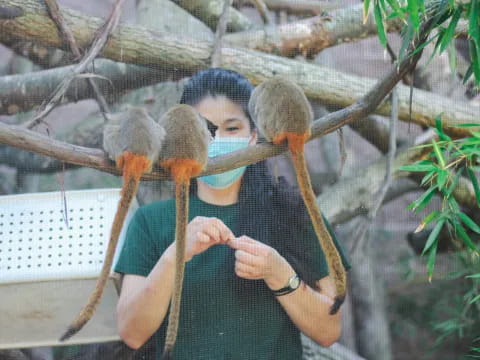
<point x="36" y="245"/>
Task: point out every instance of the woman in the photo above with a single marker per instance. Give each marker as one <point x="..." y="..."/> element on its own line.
<point x="249" y="241"/>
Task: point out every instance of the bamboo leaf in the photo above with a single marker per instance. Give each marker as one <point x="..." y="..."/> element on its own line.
<point x="424" y="200"/>
<point x="428" y="177"/>
<point x="366" y="6"/>
<point x="450" y="32"/>
<point x="475" y="58"/>
<point x="396" y="9"/>
<point x="377" y="12"/>
<point x="475" y="276"/>
<point x="466" y="125"/>
<point x="407" y="37"/>
<point x="469" y="222"/>
<point x="465" y="238"/>
<point x="454" y="183"/>
<point x="427" y="220"/>
<point x="438" y="154"/>
<point x="433" y="237"/>
<point x="431" y="260"/>
<point x="442" y="178"/>
<point x="383" y="6"/>
<point x="473" y="179"/>
<point x="413" y="12"/>
<point x="418" y="167"/>
<point x="468" y="74"/>
<point x="474" y="300"/>
<point x="441" y="133"/>
<point x="473" y="29"/>
<point x="453" y="204"/>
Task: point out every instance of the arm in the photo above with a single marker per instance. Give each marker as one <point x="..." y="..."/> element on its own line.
<point x="308" y="308"/>
<point x="144" y="301"/>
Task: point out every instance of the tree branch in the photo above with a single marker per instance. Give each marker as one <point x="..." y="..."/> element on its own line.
<point x="135" y="44"/>
<point x="302" y="7"/>
<point x="97" y="45"/>
<point x="210" y="11"/>
<point x="56" y="15"/>
<point x="310" y="36"/>
<point x="20" y="93"/>
<point x="216" y="58"/>
<point x="31" y="141"/>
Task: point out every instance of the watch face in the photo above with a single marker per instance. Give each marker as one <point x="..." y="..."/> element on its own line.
<point x="295" y="282"/>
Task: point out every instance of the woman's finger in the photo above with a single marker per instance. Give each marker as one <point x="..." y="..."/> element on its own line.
<point x="247" y="258"/>
<point x="211" y="230"/>
<point x="245" y="271"/>
<point x="225" y="233"/>
<point x="204" y="238"/>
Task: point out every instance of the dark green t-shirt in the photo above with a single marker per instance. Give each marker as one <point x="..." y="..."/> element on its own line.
<point x="220" y="317"/>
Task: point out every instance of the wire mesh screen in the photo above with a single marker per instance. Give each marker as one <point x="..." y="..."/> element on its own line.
<point x="85" y="89"/>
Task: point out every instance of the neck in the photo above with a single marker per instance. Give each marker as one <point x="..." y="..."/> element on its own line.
<point x="225" y="196"/>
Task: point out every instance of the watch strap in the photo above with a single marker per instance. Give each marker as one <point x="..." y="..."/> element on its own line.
<point x="288" y="288"/>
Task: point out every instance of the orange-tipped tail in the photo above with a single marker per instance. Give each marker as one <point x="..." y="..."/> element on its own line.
<point x="133" y="168"/>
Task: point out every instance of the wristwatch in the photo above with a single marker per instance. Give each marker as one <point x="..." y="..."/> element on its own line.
<point x="292" y="285"/>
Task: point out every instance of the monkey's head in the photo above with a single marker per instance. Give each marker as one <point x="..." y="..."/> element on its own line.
<point x="187" y="138"/>
<point x="279" y="106"/>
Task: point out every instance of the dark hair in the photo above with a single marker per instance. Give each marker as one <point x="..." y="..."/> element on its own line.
<point x="266" y="206"/>
<point x="216" y="82"/>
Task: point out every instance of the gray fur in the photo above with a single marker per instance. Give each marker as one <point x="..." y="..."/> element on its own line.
<point x="133" y="130"/>
<point x="187" y="134"/>
<point x="279" y="105"/>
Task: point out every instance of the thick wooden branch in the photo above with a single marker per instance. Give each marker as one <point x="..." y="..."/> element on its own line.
<point x="19" y="93"/>
<point x="209" y="11"/>
<point x="351" y="196"/>
<point x="302" y="7"/>
<point x="309" y="36"/>
<point x="135" y="44"/>
<point x="31" y="141"/>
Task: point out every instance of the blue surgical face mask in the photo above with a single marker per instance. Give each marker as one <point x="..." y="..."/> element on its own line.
<point x="220" y="146"/>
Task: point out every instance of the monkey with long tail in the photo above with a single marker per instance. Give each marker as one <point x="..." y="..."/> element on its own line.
<point x="282" y="113"/>
<point x="184" y="155"/>
<point x="133" y="140"/>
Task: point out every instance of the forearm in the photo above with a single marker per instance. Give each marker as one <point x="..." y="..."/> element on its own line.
<point x="140" y="313"/>
<point x="309" y="309"/>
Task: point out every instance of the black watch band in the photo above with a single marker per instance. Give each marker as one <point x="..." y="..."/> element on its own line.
<point x="292" y="285"/>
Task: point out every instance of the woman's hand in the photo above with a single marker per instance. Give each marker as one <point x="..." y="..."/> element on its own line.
<point x="202" y="233"/>
<point x="255" y="260"/>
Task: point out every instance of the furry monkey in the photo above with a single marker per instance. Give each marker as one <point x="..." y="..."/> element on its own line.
<point x="282" y="113"/>
<point x="133" y="139"/>
<point x="184" y="155"/>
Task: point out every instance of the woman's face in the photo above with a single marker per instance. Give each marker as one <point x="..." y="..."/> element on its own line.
<point x="227" y="116"/>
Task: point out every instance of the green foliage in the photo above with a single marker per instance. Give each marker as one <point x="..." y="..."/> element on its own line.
<point x="446" y="15"/>
<point x="444" y="166"/>
<point x="448" y="161"/>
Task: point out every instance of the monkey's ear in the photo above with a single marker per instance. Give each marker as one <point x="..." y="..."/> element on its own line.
<point x="212" y="128"/>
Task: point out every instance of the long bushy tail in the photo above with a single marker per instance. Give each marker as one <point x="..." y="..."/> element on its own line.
<point x="182" y="194"/>
<point x="133" y="168"/>
<point x="334" y="261"/>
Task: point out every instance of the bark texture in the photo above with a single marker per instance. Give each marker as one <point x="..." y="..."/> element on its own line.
<point x="135" y="44"/>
